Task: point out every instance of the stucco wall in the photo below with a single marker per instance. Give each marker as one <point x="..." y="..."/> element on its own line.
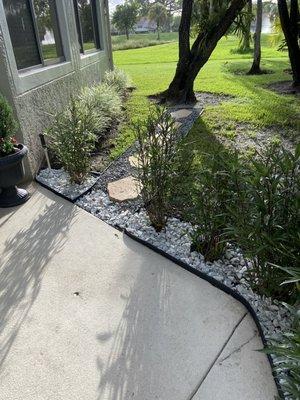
<point x="38" y="94"/>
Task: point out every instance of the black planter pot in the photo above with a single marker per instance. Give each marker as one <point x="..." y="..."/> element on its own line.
<point x="11" y="173"/>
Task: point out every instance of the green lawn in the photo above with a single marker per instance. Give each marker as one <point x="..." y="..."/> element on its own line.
<point x="152" y="68"/>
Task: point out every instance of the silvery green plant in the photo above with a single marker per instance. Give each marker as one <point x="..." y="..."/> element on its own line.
<point x="119" y="80"/>
<point x="105" y="103"/>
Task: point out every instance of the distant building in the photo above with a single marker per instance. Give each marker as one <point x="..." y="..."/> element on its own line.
<point x="144" y="25"/>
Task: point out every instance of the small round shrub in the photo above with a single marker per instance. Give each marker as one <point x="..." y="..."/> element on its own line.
<point x="8" y="127"/>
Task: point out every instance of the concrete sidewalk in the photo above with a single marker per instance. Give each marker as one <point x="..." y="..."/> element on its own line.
<point x="88" y="314"/>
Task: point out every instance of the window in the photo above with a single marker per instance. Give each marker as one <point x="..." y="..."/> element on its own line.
<point x="34" y="31"/>
<point x="87" y="25"/>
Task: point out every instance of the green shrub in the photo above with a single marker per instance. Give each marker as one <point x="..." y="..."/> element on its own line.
<point x="266" y="223"/>
<point x="117" y="79"/>
<point x="157" y="137"/>
<point x="254" y="203"/>
<point x="72" y="139"/>
<point x="8" y="127"/>
<point x="212" y="196"/>
<point x="105" y="103"/>
<point x="292" y="278"/>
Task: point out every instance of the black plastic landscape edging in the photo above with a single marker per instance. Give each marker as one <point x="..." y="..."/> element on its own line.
<point x="237" y="296"/>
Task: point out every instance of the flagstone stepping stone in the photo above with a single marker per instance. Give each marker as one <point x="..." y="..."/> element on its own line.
<point x="123" y="189"/>
<point x="181" y="113"/>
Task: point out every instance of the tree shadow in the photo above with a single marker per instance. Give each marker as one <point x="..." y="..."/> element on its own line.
<point x="22" y="266"/>
<point x="266" y="102"/>
<point x="136" y="343"/>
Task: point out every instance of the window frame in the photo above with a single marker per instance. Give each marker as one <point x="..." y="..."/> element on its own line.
<point x="43" y="63"/>
<point x="96" y="18"/>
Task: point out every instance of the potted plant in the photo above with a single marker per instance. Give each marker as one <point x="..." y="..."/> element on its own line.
<point x="11" y="159"/>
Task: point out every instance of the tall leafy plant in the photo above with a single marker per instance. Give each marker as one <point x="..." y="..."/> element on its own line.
<point x="213" y="194"/>
<point x="157" y="137"/>
<point x="72" y="139"/>
<point x="266" y="224"/>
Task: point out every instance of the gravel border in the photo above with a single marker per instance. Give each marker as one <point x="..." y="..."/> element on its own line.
<point x="58" y="181"/>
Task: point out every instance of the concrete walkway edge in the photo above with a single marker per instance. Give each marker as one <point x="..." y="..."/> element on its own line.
<point x="225" y="289"/>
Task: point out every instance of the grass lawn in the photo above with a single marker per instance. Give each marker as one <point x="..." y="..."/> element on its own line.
<point x="152" y="69"/>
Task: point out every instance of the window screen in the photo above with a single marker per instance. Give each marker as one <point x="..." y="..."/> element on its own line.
<point x="48" y="29"/>
<point x="34" y="31"/>
<point x="22" y="34"/>
<point x="87" y="24"/>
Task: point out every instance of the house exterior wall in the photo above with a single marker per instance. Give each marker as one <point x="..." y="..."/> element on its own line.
<point x="38" y="93"/>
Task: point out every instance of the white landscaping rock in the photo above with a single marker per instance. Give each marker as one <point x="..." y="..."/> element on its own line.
<point x="59" y="181"/>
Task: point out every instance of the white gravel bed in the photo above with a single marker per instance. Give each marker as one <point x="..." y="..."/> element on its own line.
<point x="59" y="181"/>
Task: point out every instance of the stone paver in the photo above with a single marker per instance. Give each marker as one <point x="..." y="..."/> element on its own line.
<point x="123" y="189"/>
<point x="87" y="313"/>
<point x="181" y="113"/>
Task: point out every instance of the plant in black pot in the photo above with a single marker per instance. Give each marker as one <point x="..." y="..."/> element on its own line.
<point x="11" y="160"/>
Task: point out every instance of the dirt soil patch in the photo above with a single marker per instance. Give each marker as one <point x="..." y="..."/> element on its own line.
<point x="284" y="87"/>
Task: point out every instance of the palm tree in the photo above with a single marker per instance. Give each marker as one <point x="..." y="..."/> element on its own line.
<point x="158" y="13"/>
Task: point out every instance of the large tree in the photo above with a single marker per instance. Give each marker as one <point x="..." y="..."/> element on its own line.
<point x="125" y="17"/>
<point x="255" y="69"/>
<point x="290" y="22"/>
<point x="216" y="17"/>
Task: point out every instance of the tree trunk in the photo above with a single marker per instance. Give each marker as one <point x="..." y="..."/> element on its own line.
<point x="255" y="69"/>
<point x="290" y="22"/>
<point x="127" y="34"/>
<point x="191" y="60"/>
<point x="158" y="33"/>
